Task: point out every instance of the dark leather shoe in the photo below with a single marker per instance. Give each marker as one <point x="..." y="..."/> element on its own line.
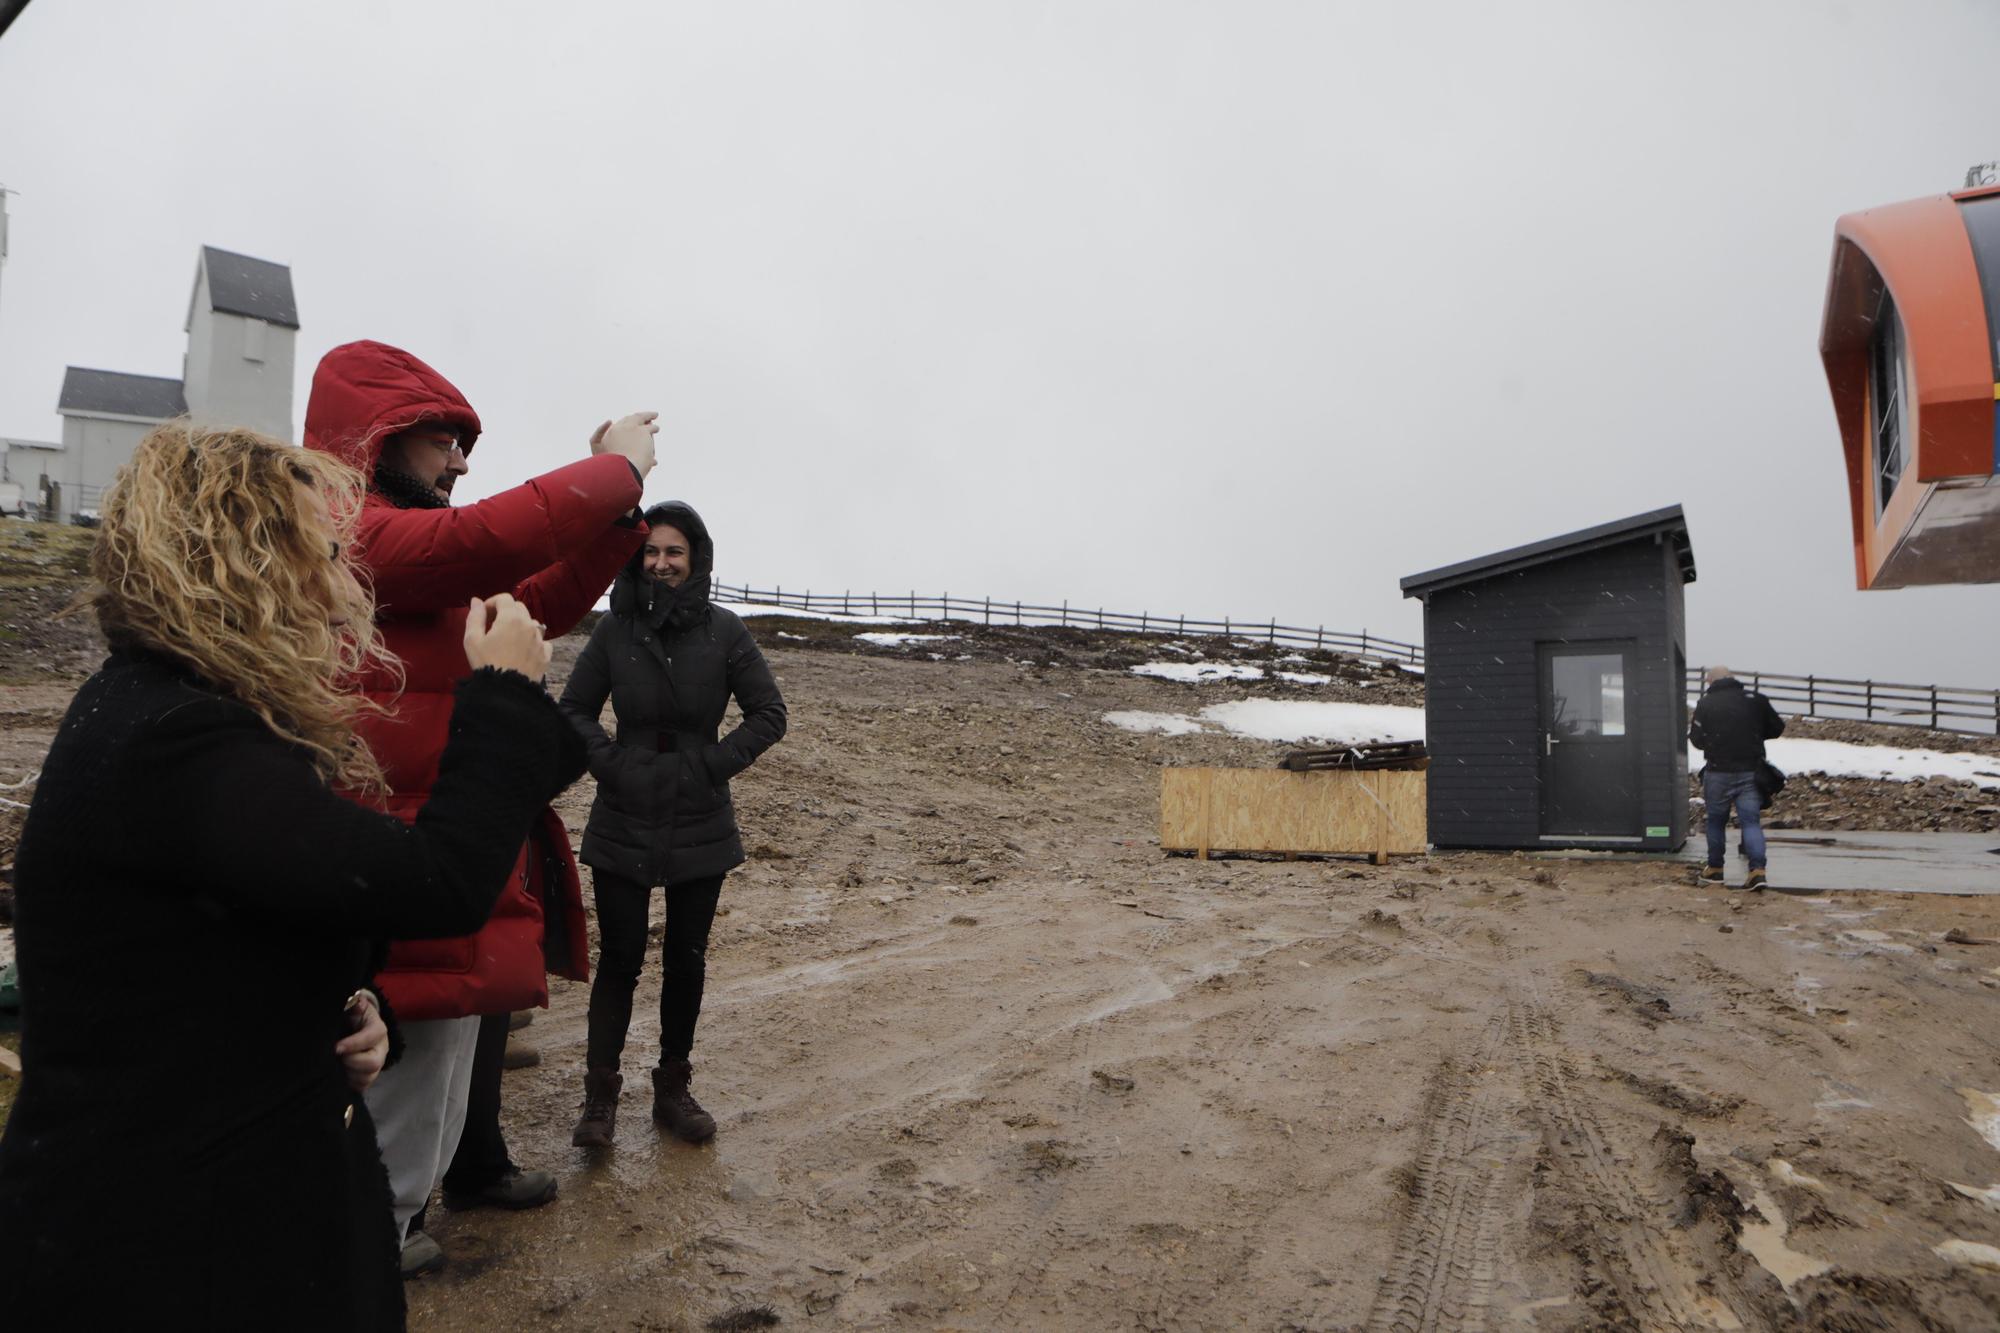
<point x="674" y="1107"/>
<point x="599" y="1123"/>
<point x="516" y="1189"/>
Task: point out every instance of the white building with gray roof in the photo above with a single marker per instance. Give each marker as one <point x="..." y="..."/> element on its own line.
<point x="242" y="328"/>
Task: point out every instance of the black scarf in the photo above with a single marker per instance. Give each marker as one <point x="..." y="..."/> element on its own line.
<point x="676" y="609"/>
<point x="406" y="490"/>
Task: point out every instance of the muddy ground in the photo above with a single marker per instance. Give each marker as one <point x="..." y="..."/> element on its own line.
<point x="983" y="1058"/>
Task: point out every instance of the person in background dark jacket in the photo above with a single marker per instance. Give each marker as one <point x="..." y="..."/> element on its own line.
<point x="198" y="908"/>
<point x="1730" y="727"/>
<point x="669" y="662"/>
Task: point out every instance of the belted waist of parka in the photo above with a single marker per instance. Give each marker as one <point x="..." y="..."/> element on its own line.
<point x="666" y="742"/>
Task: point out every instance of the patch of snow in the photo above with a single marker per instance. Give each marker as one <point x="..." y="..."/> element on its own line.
<point x="1170" y="724"/>
<point x="1301" y="720"/>
<point x="1842" y="760"/>
<point x="787" y="634"/>
<point x="1199" y="673"/>
<point x="893" y="640"/>
<point x="1303" y="677"/>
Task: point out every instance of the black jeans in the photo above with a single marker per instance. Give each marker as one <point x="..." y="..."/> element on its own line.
<point x="621" y="952"/>
<point x="482" y="1158"/>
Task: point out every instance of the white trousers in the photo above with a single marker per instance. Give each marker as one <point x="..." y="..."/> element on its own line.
<point x="419" y="1109"/>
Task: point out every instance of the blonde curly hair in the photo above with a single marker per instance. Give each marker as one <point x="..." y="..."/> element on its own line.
<point x="208" y="552"/>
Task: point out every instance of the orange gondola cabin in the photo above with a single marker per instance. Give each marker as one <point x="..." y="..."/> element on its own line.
<point x="1909" y="342"/>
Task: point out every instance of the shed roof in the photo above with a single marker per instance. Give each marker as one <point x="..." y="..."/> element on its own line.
<point x="259" y="288"/>
<point x="1666" y="523"/>
<point x="114" y="393"/>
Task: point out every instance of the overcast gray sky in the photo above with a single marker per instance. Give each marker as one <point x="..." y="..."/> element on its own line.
<point x="1244" y="308"/>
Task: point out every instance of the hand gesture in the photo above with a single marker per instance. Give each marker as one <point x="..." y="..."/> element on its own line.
<point x="513" y="641"/>
<point x="631" y="437"/>
<point x="363" y="1051"/>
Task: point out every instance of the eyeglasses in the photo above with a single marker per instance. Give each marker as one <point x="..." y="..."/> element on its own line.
<point x="448" y="443"/>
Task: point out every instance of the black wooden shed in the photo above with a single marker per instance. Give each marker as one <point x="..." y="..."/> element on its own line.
<point x="1555" y="696"/>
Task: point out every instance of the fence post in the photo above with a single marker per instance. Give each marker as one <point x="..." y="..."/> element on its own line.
<point x="1142" y="622"/>
<point x="1100" y="617"/>
<point x="1183" y="632"/>
<point x="1934" y="714"/>
<point x="1017" y="611"/>
<point x="1273" y="640"/>
<point x="1868" y="707"/>
<point x="1225" y="627"/>
<point x="989" y="608"/>
<point x="845" y="594"/>
<point x="1812" y="699"/>
<point x="1364" y="643"/>
<point x="1065" y="613"/>
<point x="1319" y="639"/>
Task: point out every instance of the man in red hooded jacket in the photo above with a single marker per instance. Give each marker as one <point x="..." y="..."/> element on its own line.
<point x="554" y="543"/>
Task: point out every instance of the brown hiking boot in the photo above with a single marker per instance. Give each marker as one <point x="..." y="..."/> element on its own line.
<point x="674" y="1107"/>
<point x="600" y="1109"/>
<point x="1754" y="881"/>
<point x="1711" y="874"/>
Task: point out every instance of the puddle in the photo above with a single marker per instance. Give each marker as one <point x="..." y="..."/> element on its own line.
<point x="1785" y="1173"/>
<point x="1765" y="1241"/>
<point x="1969" y="1253"/>
<point x="1983" y="1113"/>
<point x="1842" y="1097"/>
<point x="1989" y="1197"/>
<point x="1877" y="940"/>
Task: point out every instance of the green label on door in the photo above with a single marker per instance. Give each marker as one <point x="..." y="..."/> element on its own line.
<point x="1656" y="830"/>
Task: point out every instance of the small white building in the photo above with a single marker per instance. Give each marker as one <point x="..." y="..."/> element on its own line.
<point x="242" y="327"/>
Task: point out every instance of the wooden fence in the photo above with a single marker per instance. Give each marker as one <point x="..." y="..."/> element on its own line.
<point x="1937" y="707"/>
<point x="992" y="611"/>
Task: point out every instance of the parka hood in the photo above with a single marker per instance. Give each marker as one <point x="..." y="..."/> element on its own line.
<point x="632" y="593"/>
<point x="364" y="392"/>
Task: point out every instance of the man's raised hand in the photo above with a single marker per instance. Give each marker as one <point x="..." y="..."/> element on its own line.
<point x="630" y="437"/>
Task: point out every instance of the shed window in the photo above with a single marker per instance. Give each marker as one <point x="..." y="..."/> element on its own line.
<point x="1889" y="402"/>
<point x="1589" y="693"/>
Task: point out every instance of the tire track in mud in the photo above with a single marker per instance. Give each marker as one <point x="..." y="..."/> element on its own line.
<point x="1656" y="1281"/>
<point x="1489" y="1110"/>
<point x="1441" y="1274"/>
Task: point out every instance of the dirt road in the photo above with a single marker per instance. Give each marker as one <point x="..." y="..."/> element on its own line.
<point x="983" y="1058"/>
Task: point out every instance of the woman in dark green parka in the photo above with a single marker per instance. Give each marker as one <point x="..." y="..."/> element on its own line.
<point x="669" y="662"/>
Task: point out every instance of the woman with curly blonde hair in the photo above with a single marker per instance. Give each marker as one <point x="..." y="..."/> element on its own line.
<point x="198" y="911"/>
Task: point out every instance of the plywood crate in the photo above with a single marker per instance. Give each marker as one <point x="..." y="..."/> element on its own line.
<point x="1378" y="812"/>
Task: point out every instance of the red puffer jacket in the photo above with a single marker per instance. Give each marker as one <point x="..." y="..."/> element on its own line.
<point x="554" y="543"/>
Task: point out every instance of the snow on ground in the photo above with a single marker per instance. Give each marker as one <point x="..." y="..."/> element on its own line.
<point x="1839" y="759"/>
<point x="1199" y="672"/>
<point x="1299" y="720"/>
<point x="893" y="640"/>
<point x="1171" y="724"/>
<point x="1293" y="720"/>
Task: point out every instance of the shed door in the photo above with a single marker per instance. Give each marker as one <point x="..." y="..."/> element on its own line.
<point x="1590" y="770"/>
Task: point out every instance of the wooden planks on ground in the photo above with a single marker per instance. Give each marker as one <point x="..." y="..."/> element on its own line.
<point x="1206" y="810"/>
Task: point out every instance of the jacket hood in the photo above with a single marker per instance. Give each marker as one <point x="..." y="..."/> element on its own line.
<point x="633" y="593"/>
<point x="364" y="392"/>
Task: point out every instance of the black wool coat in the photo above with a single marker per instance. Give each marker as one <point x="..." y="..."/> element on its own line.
<point x="669" y="665"/>
<point x="1731" y="725"/>
<point x="193" y="908"/>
